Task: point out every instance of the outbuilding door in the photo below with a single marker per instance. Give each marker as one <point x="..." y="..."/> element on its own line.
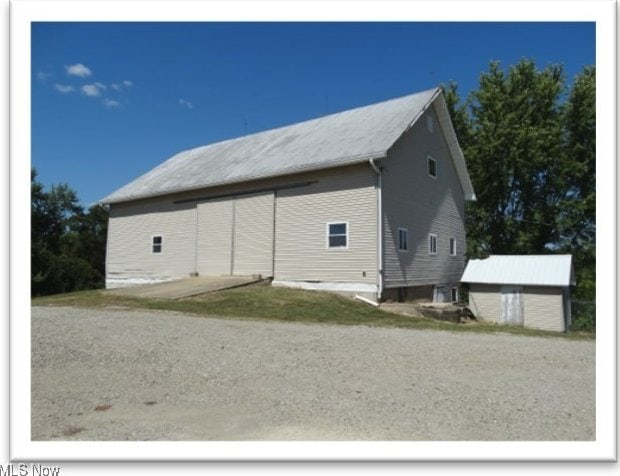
<point x="235" y="236"/>
<point x="512" y="305"/>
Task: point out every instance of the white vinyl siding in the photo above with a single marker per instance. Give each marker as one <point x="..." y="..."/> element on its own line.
<point x="235" y="236"/>
<point x="214" y="254"/>
<point x="485" y="302"/>
<point x="198" y="236"/>
<point x="424" y="206"/>
<point x="131" y="229"/>
<point x="342" y="195"/>
<point x="253" y="240"/>
<point x="543" y="306"/>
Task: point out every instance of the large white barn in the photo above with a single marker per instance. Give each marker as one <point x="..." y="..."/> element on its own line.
<point x="368" y="201"/>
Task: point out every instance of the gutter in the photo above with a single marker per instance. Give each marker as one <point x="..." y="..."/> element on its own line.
<point x="377" y="170"/>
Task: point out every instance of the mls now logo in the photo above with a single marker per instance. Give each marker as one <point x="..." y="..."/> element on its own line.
<point x="29" y="470"/>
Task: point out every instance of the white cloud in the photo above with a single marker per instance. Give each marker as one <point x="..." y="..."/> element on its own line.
<point x="91" y="90"/>
<point x="116" y="87"/>
<point x="127" y="83"/>
<point x="63" y="88"/>
<point x="187" y="104"/>
<point x="111" y="103"/>
<point x="78" y="70"/>
<point x="42" y="75"/>
<point x="101" y="86"/>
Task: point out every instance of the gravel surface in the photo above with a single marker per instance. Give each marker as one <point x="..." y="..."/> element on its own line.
<point x="150" y="375"/>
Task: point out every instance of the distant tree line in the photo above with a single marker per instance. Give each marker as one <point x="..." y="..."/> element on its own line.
<point x="68" y="243"/>
<point x="529" y="140"/>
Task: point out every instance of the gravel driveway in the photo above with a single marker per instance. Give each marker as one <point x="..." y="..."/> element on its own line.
<point x="150" y="375"/>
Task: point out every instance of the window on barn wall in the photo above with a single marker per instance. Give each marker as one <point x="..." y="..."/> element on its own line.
<point x="455" y="294"/>
<point x="430" y="124"/>
<point x="431" y="166"/>
<point x="432" y="244"/>
<point x="452" y="246"/>
<point x="337" y="235"/>
<point x="157" y="244"/>
<point x="403" y="239"/>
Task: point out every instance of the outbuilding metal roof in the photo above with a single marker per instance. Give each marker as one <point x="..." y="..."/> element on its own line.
<point x="348" y="137"/>
<point x="537" y="270"/>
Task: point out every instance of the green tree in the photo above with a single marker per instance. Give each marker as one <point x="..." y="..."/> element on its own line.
<point x="578" y="218"/>
<point x="67" y="244"/>
<point x="529" y="143"/>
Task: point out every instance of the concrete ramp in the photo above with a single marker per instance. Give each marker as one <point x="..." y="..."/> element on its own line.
<point x="183" y="288"/>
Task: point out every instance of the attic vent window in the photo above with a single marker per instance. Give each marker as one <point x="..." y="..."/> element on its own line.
<point x="403" y="239"/>
<point x="157" y="244"/>
<point x="432" y="244"/>
<point x="431" y="166"/>
<point x="430" y="123"/>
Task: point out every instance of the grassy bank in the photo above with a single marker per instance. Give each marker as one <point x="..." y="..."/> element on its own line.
<point x="265" y="302"/>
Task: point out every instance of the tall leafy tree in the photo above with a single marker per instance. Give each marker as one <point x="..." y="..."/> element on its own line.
<point x="67" y="244"/>
<point x="529" y="142"/>
<point x="578" y="219"/>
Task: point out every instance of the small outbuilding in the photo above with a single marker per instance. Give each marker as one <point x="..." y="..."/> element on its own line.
<point x="527" y="290"/>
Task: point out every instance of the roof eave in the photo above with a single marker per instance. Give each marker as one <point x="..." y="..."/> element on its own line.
<point x="110" y="200"/>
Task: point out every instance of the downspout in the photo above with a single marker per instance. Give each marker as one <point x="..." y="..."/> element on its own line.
<point x="377" y="170"/>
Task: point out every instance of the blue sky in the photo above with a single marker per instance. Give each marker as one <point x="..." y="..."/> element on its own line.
<point x="112" y="100"/>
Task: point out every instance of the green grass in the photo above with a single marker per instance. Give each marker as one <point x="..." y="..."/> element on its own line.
<point x="269" y="303"/>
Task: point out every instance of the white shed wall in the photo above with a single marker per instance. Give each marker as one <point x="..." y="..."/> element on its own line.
<point x="485" y="301"/>
<point x="543" y="307"/>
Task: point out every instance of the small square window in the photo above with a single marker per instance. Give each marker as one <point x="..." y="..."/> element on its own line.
<point x="432" y="166"/>
<point x="157" y="244"/>
<point x="337" y="236"/>
<point x="403" y="239"/>
<point x="452" y="246"/>
<point x="432" y="244"/>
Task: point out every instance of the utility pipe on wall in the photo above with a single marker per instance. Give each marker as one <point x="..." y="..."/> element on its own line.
<point x="379" y="228"/>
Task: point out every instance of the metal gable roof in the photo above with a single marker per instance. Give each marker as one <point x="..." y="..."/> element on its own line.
<point x="348" y="137"/>
<point x="537" y="270"/>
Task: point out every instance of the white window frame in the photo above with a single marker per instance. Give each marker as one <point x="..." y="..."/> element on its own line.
<point x="327" y="235"/>
<point x="153" y="244"/>
<point x="406" y="248"/>
<point x="452" y="241"/>
<point x="432" y="236"/>
<point x="429" y="159"/>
